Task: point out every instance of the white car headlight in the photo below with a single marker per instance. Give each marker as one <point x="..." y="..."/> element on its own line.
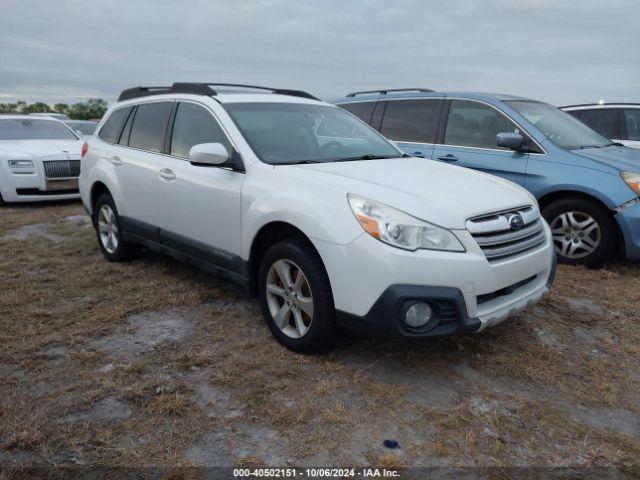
<point x="633" y="180"/>
<point x="20" y="164"/>
<point x="400" y="229"/>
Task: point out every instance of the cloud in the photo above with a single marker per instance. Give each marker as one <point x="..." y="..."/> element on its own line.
<point x="563" y="52"/>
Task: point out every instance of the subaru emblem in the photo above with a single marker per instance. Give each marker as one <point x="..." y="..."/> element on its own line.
<point x="516" y="222"/>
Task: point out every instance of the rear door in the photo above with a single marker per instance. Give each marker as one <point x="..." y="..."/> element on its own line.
<point x="469" y="140"/>
<point x="136" y="163"/>
<point x="411" y="123"/>
<point x="605" y="121"/>
<point x="631" y="127"/>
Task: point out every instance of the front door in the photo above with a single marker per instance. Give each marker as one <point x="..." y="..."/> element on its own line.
<point x="470" y="141"/>
<point x="199" y="205"/>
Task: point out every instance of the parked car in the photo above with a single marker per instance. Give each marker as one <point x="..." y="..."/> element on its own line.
<point x="84" y="128"/>
<point x="314" y="211"/>
<point x="58" y="116"/>
<point x="587" y="186"/>
<point x="39" y="159"/>
<point x="617" y="121"/>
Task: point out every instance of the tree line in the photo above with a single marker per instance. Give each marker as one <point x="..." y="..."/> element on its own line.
<point x="93" y="108"/>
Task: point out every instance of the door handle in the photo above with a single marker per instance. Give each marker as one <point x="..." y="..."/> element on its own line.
<point x="448" y="158"/>
<point x="417" y="154"/>
<point x="167" y="174"/>
<point x="115" y="160"/>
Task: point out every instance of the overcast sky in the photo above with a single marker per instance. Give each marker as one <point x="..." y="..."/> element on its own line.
<point x="563" y="51"/>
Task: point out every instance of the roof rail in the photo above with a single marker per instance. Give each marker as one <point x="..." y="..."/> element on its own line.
<point x="599" y="104"/>
<point x="203" y="89"/>
<point x="384" y="92"/>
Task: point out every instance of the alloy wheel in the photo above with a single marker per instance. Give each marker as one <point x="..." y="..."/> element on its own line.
<point x="289" y="298"/>
<point x="108" y="229"/>
<point x="575" y="234"/>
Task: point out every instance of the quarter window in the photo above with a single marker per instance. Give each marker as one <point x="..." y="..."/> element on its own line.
<point x="411" y="120"/>
<point x="362" y="110"/>
<point x="632" y="122"/>
<point x="605" y="121"/>
<point x="473" y="124"/>
<point x="110" y="131"/>
<point x="194" y="125"/>
<point x="149" y="126"/>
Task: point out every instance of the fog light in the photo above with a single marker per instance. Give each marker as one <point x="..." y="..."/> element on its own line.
<point x="418" y="314"/>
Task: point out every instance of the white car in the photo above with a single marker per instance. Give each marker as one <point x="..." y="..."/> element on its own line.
<point x="315" y="212"/>
<point x="84" y="128"/>
<point x="618" y="121"/>
<point x="39" y="159"/>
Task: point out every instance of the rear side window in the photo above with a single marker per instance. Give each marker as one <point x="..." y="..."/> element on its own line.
<point x="362" y="110"/>
<point x="193" y="125"/>
<point x="605" y="121"/>
<point x="474" y="124"/>
<point x="411" y="120"/>
<point x="110" y="131"/>
<point x="150" y="125"/>
<point x="632" y="122"/>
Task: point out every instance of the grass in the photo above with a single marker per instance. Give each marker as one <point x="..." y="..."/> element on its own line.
<point x="556" y="386"/>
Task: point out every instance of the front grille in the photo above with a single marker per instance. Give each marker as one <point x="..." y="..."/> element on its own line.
<point x="499" y="241"/>
<point x="487" y="297"/>
<point x="62" y="168"/>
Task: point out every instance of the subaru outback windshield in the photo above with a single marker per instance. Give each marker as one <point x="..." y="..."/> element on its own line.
<point x="561" y="128"/>
<point x="287" y="133"/>
<point x="27" y="129"/>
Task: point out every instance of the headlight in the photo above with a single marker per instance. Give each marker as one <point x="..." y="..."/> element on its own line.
<point x="20" y="164"/>
<point x="633" y="180"/>
<point x="400" y="229"/>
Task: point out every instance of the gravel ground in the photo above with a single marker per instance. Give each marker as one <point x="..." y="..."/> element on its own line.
<point x="156" y="364"/>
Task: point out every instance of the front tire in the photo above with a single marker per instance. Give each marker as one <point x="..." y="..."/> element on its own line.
<point x="583" y="232"/>
<point x="295" y="296"/>
<point x="109" y="232"/>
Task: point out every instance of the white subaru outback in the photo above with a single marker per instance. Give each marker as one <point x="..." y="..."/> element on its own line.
<point x="326" y="221"/>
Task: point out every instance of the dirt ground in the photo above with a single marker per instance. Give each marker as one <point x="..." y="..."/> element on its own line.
<point x="153" y="363"/>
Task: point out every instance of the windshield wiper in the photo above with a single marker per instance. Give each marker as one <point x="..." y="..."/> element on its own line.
<point x="301" y="162"/>
<point x="614" y="144"/>
<point x="368" y="156"/>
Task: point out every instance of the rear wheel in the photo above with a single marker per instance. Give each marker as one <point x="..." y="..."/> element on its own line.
<point x="295" y="296"/>
<point x="583" y="232"/>
<point x="109" y="232"/>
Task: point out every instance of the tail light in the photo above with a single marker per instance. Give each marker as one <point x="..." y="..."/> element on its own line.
<point x="85" y="149"/>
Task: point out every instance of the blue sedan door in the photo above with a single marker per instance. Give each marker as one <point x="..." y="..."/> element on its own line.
<point x="469" y="140"/>
<point x="411" y="123"/>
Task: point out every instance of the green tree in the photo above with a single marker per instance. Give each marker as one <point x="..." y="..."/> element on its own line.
<point x="61" y="108"/>
<point x="92" y="108"/>
<point x="38" y="107"/>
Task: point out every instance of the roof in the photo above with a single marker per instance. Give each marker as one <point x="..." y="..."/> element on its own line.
<point x="602" y="105"/>
<point x="413" y="93"/>
<point x="21" y="116"/>
<point x="208" y="89"/>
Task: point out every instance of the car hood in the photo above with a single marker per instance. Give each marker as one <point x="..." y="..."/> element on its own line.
<point x="620" y="158"/>
<point x="442" y="194"/>
<point x="40" y="148"/>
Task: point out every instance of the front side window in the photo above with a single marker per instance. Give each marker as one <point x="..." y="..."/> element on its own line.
<point x="411" y="120"/>
<point x="285" y="133"/>
<point x="558" y="126"/>
<point x="632" y="122"/>
<point x="27" y="129"/>
<point x="605" y="121"/>
<point x="110" y="131"/>
<point x="149" y="126"/>
<point x="474" y="124"/>
<point x="194" y="125"/>
<point x="362" y="110"/>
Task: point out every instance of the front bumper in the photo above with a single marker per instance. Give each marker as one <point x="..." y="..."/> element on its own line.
<point x="34" y="186"/>
<point x="372" y="283"/>
<point x="628" y="219"/>
<point x="386" y="316"/>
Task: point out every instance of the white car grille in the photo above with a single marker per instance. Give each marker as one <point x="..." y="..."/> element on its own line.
<point x="62" y="168"/>
<point x="507" y="234"/>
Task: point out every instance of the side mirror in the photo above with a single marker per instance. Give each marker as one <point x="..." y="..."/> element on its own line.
<point x="208" y="154"/>
<point x="514" y="141"/>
